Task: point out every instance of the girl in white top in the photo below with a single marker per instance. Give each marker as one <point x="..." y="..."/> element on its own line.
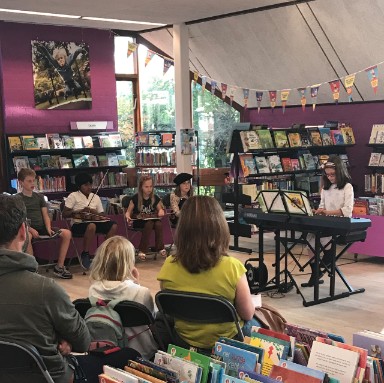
<point x="114" y="276"/>
<point x="337" y="199"/>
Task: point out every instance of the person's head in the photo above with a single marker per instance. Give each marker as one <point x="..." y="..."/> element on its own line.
<point x="145" y="190"/>
<point x="227" y="178"/>
<point x="114" y="261"/>
<point x="202" y="234"/>
<point x="335" y="172"/>
<point x="183" y="185"/>
<point x="84" y="183"/>
<point x="60" y="55"/>
<point x="13" y="226"/>
<point x="26" y="178"/>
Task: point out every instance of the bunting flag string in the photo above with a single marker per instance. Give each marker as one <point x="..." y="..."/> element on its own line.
<point x="132" y="47"/>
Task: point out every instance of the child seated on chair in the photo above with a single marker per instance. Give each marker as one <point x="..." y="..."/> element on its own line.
<point x="37" y="213"/>
<point x="115" y="277"/>
<point x="84" y="201"/>
<point x="182" y="192"/>
<point x="202" y="265"/>
<point x="143" y="205"/>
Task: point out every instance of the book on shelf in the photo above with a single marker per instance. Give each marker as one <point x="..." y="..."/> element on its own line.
<point x="337" y="137"/>
<point x="326" y="357"/>
<point x="325" y="134"/>
<point x="262" y="164"/>
<point x="304" y="335"/>
<point x="120" y="375"/>
<point x="295" y="163"/>
<point x="50" y="137"/>
<point x="251" y="190"/>
<point x="153" y="370"/>
<point x="374" y="160"/>
<point x="42" y="142"/>
<point x="305" y="138"/>
<point x="344" y="158"/>
<point x="287" y="375"/>
<point x="376" y="128"/>
<point x="247" y="164"/>
<point x="65" y="163"/>
<point x="309" y="160"/>
<point x="154" y="140"/>
<point x="265" y="138"/>
<point x="44" y="161"/>
<point x="57" y="143"/>
<point x="281" y="139"/>
<point x="167" y="139"/>
<point x="348" y="136"/>
<point x="274" y="163"/>
<point x="122" y="160"/>
<point x="105" y="141"/>
<point x="20" y="162"/>
<point x="30" y="143"/>
<point x="250" y="140"/>
<point x="142" y="139"/>
<point x="87" y="142"/>
<point x="68" y="142"/>
<point x="372" y="341"/>
<point x="112" y="159"/>
<point x="102" y="159"/>
<point x="80" y="160"/>
<point x="92" y="160"/>
<point x="142" y="376"/>
<point x="34" y="163"/>
<point x="323" y="158"/>
<point x="286" y="163"/>
<point x="14" y="143"/>
<point x="294" y="139"/>
<point x="115" y="139"/>
<point x="315" y="136"/>
<point x="254" y="377"/>
<point x="103" y="378"/>
<point x="54" y="162"/>
<point x="302" y="369"/>
<point x="78" y="142"/>
<point x="360" y="207"/>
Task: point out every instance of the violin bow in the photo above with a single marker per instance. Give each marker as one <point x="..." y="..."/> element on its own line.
<point x="98" y="188"/>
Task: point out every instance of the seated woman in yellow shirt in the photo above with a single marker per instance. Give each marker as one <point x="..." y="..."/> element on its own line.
<point x="202" y="265"/>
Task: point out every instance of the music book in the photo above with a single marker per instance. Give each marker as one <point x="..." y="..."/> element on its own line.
<point x="56" y="234"/>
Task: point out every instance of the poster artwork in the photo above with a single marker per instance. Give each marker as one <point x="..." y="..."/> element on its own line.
<point x="61" y="75"/>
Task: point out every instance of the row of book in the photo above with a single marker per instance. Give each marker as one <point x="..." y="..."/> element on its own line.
<point x="154" y="139"/>
<point x="155" y="158"/>
<point x="295" y="138"/>
<point x="305" y="160"/>
<point x="376" y="159"/>
<point x="369" y="206"/>
<point x="57" y="141"/>
<point x="374" y="183"/>
<point x="301" y="355"/>
<point x="377" y="134"/>
<point x="77" y="160"/>
<point x="113" y="179"/>
<point x="160" y="178"/>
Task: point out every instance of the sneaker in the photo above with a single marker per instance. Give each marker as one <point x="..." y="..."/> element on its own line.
<point x="62" y="272"/>
<point x="142" y="256"/>
<point x="85" y="260"/>
<point x="163" y="253"/>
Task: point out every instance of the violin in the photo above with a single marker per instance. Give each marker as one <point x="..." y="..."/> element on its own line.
<point x="88" y="216"/>
<point x="145" y="216"/>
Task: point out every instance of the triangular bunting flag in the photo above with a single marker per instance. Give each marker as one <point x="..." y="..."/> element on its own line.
<point x="284" y="94"/>
<point x="195" y="76"/>
<point x="372" y="73"/>
<point x="246" y="96"/>
<point x="303" y="99"/>
<point x="314" y="93"/>
<point x="131" y="48"/>
<point x="335" y="88"/>
<point x="224" y="88"/>
<point x="213" y="86"/>
<point x="272" y="98"/>
<point x="203" y="82"/>
<point x="348" y="82"/>
<point x="149" y="57"/>
<point x="259" y="97"/>
<point x="231" y="95"/>
<point x="167" y="65"/>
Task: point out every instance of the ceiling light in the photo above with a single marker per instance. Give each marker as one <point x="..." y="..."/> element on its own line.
<point x="39" y="13"/>
<point x="121" y="21"/>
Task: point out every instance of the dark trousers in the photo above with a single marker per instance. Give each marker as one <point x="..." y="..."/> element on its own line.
<point x="147" y="227"/>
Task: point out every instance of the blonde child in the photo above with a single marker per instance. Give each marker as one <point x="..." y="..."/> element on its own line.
<point x="37" y="213"/>
<point x="114" y="276"/>
<point x="337" y="199"/>
<point x="143" y="205"/>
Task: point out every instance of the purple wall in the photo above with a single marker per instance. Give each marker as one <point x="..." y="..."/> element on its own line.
<point x="20" y="115"/>
<point x="360" y="116"/>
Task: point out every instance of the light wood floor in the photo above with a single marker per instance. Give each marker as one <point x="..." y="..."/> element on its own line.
<point x="344" y="316"/>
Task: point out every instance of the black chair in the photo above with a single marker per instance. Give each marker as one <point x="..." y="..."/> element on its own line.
<point x="132" y="314"/>
<point x="195" y="307"/>
<point x="21" y="362"/>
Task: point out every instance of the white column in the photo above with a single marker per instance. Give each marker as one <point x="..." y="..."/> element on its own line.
<point x="183" y="117"/>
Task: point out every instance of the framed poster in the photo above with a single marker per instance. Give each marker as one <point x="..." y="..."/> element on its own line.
<point x="61" y="75"/>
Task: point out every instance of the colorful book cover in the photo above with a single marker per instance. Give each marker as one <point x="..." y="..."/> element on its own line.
<point x="294" y="139"/>
<point x="281" y="139"/>
<point x="50" y="137"/>
<point x="120" y="375"/>
<point x="310" y="161"/>
<point x="15" y="143"/>
<point x="275" y="163"/>
<point x="201" y="360"/>
<point x="302" y="369"/>
<point x="284" y="342"/>
<point x="305" y="138"/>
<point x="34" y="163"/>
<point x="68" y="142"/>
<point x="348" y="136"/>
<point x="303" y="334"/>
<point x="103" y="378"/>
<point x="154" y="370"/>
<point x="325" y="134"/>
<point x="57" y="143"/>
<point x="262" y="164"/>
<point x="142" y="139"/>
<point x="235" y="358"/>
<point x="265" y="138"/>
<point x="369" y="340"/>
<point x="154" y="140"/>
<point x="20" y="162"/>
<point x="42" y="142"/>
<point x="376" y="128"/>
<point x="337" y="137"/>
<point x="87" y="142"/>
<point x="290" y="376"/>
<point x="44" y="161"/>
<point x="253" y="139"/>
<point x="244" y="140"/>
<point x="141" y="376"/>
<point x="188" y="371"/>
<point x="65" y="163"/>
<point x="92" y="160"/>
<point x="102" y="158"/>
<point x="54" y="162"/>
<point x="105" y="142"/>
<point x="286" y="163"/>
<point x="374" y="160"/>
<point x="80" y="160"/>
<point x="167" y="139"/>
<point x="112" y="159"/>
<point x="168" y="372"/>
<point x="315" y="136"/>
<point x="30" y="143"/>
<point x="247" y="164"/>
<point x="295" y="164"/>
<point x="115" y="139"/>
<point x="78" y="141"/>
<point x="254" y="377"/>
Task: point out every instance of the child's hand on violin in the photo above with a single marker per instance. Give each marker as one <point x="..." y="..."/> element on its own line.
<point x="161" y="213"/>
<point x="89" y="210"/>
<point x="34" y="233"/>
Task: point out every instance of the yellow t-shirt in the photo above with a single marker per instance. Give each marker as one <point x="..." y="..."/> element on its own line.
<point x="220" y="280"/>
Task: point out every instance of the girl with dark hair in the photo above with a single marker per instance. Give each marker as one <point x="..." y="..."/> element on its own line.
<point x="182" y="192"/>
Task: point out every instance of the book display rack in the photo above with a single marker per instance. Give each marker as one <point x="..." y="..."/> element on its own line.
<point x="57" y="158"/>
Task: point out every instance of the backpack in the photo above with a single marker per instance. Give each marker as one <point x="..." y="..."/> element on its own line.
<point x="104" y="324"/>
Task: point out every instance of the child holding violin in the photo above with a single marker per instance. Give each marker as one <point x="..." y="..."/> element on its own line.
<point x="145" y="210"/>
<point x="85" y="209"/>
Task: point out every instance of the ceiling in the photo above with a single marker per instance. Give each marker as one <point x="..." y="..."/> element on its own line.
<point x="271" y="45"/>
